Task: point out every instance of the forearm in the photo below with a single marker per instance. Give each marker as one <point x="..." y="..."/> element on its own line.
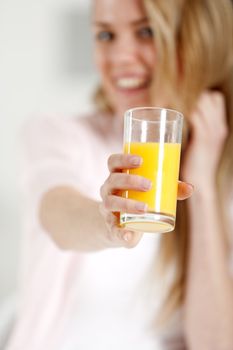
<point x="72" y="220"/>
<point x="209" y="294"/>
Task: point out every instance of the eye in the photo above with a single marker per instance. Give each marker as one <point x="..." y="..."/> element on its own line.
<point x="145" y="32"/>
<point x="105" y="35"/>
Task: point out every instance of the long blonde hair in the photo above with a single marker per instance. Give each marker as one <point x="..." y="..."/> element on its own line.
<point x="194" y="41"/>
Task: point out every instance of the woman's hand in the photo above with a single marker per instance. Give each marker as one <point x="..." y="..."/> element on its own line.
<point x="208" y="134"/>
<point x="113" y="203"/>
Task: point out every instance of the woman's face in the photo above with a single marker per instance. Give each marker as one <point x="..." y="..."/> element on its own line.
<point x="124" y="52"/>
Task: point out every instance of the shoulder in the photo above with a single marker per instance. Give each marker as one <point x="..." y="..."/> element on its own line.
<point x="69" y="123"/>
<point x="48" y="124"/>
<point x="57" y="128"/>
<point x="63" y="136"/>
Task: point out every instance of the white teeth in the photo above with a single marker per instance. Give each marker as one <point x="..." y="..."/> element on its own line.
<point x="129" y="83"/>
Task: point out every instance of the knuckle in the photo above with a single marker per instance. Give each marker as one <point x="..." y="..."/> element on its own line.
<point x="116" y="161"/>
<point x="102" y="191"/>
<point x="107" y="203"/>
<point x="119" y="232"/>
<point x="218" y="96"/>
<point x="109" y="183"/>
<point x="113" y="181"/>
<point x="114" y="177"/>
<point x="113" y="226"/>
<point x="109" y="220"/>
<point x="111" y="161"/>
<point x="205" y="95"/>
<point x="113" y="234"/>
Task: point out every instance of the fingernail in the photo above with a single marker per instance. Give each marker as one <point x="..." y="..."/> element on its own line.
<point x="141" y="206"/>
<point x="136" y="161"/>
<point x="127" y="236"/>
<point x="146" y="184"/>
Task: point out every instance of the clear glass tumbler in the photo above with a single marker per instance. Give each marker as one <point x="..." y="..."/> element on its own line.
<point x="154" y="134"/>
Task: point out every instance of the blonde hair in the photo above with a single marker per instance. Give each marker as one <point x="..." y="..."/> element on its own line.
<point x="101" y="101"/>
<point x="194" y="40"/>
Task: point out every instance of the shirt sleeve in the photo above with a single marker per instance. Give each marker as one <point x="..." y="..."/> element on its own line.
<point x="50" y="148"/>
<point x="50" y="154"/>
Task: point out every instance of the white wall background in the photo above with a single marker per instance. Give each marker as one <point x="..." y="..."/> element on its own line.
<point x="45" y="66"/>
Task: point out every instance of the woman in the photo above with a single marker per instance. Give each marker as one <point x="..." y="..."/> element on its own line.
<point x="92" y="296"/>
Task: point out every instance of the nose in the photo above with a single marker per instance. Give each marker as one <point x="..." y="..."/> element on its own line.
<point x="126" y="50"/>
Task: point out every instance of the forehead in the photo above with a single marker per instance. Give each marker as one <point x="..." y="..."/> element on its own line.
<point x="115" y="11"/>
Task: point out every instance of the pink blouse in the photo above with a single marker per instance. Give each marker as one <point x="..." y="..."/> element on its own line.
<point x="68" y="301"/>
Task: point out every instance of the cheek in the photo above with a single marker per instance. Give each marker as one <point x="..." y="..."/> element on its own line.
<point x="151" y="58"/>
<point x="101" y="62"/>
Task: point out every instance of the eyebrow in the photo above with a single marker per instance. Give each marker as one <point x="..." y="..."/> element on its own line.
<point x="133" y="23"/>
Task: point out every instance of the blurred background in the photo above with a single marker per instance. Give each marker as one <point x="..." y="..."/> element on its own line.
<point x="45" y="67"/>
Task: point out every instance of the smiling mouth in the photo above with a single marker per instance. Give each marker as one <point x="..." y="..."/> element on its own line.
<point x="132" y="83"/>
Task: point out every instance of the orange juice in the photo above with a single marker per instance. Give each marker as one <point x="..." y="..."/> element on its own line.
<point x="160" y="165"/>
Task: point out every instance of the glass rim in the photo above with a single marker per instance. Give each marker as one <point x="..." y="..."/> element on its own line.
<point x="129" y="113"/>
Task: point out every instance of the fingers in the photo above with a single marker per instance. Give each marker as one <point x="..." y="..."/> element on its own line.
<point x="132" y="238"/>
<point x="185" y="190"/>
<point x="118" y="236"/>
<point x="122" y="236"/>
<point x="210" y="109"/>
<point x="119" y="204"/>
<point x="125" y="237"/>
<point x="211" y="100"/>
<point x="121" y="181"/>
<point x="118" y="162"/>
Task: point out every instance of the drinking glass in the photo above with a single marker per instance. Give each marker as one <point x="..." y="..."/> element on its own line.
<point x="155" y="135"/>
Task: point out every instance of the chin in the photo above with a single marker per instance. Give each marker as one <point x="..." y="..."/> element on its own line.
<point x="128" y="101"/>
<point x="133" y="104"/>
<point x="137" y="105"/>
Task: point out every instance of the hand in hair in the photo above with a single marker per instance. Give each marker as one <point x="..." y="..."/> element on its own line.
<point x="208" y="130"/>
